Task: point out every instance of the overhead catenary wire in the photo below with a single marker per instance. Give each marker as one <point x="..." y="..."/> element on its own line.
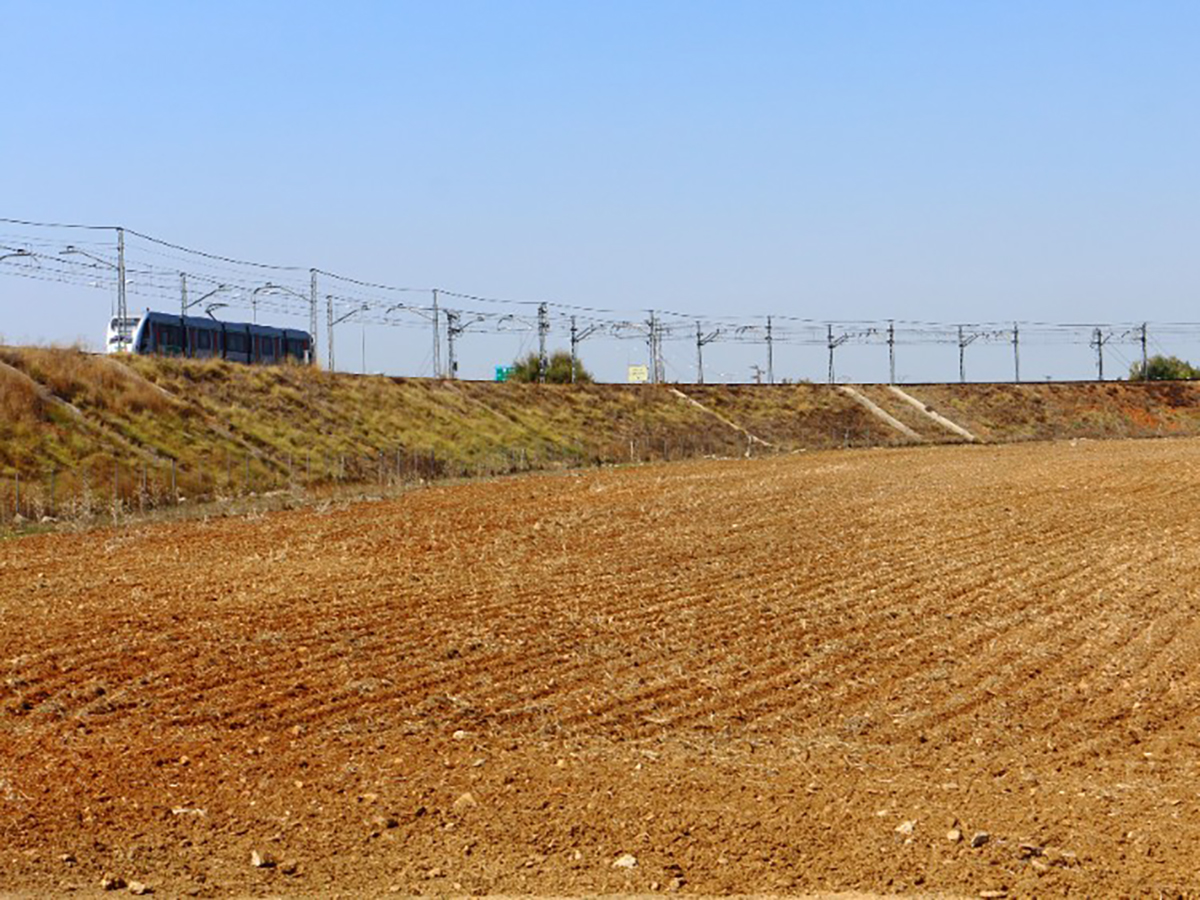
<point x="75" y="254"/>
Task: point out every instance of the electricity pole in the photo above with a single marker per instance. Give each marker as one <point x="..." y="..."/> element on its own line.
<point x="437" y="339"/>
<point x="183" y="306"/>
<point x="891" y="352"/>
<point x="653" y="342"/>
<point x="329" y="326"/>
<point x="122" y="309"/>
<point x="1098" y="341"/>
<point x="577" y="337"/>
<point x="963" y="343"/>
<point x="829" y="340"/>
<point x="312" y="317"/>
<point x="452" y="331"/>
<point x="342" y="318"/>
<point x="1145" y="361"/>
<point x="543" y="330"/>
<point x="770" y="354"/>
<point x="701" y="340"/>
<point x="1016" y="342"/>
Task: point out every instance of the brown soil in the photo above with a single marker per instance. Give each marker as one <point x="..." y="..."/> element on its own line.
<point x="788" y="675"/>
<point x="1007" y="412"/>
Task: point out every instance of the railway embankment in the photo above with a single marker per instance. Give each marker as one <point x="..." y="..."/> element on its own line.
<point x="90" y="431"/>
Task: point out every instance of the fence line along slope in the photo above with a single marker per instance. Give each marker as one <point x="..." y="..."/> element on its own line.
<point x="947" y="670"/>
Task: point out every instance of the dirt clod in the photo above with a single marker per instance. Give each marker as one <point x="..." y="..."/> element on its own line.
<point x="465" y="802"/>
<point x="110" y="882"/>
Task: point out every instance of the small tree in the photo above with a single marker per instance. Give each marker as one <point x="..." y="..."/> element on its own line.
<point x="558" y="369"/>
<point x="1164" y="368"/>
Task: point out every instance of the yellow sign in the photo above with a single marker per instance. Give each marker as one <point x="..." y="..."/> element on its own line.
<point x="639" y="374"/>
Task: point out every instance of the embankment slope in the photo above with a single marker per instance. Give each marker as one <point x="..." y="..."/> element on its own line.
<point x="87" y="420"/>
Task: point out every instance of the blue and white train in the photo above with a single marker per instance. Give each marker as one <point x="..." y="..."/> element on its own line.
<point x="202" y="338"/>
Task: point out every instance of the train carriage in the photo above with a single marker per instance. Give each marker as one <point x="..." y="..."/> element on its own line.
<point x="204" y="338"/>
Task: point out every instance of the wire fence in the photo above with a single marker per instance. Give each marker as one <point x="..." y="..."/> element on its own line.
<point x="124" y="264"/>
<point x="110" y="486"/>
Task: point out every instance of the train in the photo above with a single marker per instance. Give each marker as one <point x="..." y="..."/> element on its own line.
<point x="171" y="334"/>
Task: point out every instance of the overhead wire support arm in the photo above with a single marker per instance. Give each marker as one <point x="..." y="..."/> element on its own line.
<point x="654" y="340"/>
<point x="455" y="327"/>
<point x="312" y="316"/>
<point x="701" y="340"/>
<point x="185" y="304"/>
<point x="17" y="253"/>
<point x="543" y="327"/>
<point x="964" y="341"/>
<point x="833" y="343"/>
<point x="770" y="354"/>
<point x="269" y="288"/>
<point x="578" y="336"/>
<point x="1016" y="344"/>
<point x="119" y="268"/>
<point x="891" y="342"/>
<point x="1099" y="339"/>
<point x="342" y="318"/>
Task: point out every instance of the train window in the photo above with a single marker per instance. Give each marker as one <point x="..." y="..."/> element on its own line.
<point x="170" y="337"/>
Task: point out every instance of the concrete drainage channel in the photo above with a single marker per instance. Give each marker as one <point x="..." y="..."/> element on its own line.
<point x="751" y="439"/>
<point x="867" y="403"/>
<point x="932" y="414"/>
<point x="878" y="412"/>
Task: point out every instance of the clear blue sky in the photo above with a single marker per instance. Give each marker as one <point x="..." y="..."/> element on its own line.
<point x="942" y="161"/>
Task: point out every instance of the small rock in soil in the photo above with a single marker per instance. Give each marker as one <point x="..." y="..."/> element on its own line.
<point x="136" y="887"/>
<point x="980" y="838"/>
<point x="289" y="867"/>
<point x="993" y="895"/>
<point x="465" y="802"/>
<point x="954" y="835"/>
<point x="262" y="860"/>
<point x="111" y="882"/>
<point x="625" y="861"/>
<point x="906" y="827"/>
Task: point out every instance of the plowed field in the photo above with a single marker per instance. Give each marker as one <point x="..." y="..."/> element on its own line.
<point x="788" y="675"/>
